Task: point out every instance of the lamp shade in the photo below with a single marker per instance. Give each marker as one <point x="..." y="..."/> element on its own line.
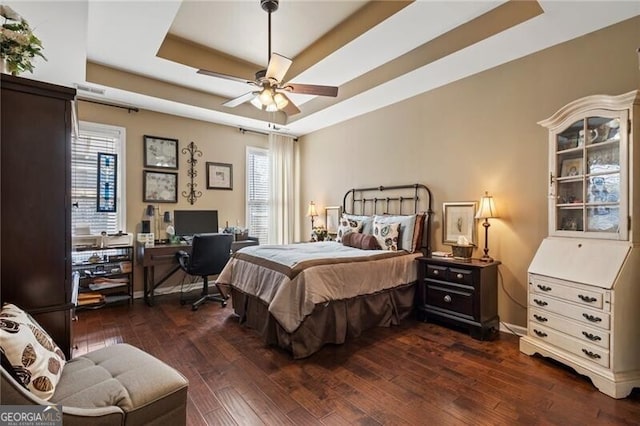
<point x="312" y="212"/>
<point x="487" y="207"/>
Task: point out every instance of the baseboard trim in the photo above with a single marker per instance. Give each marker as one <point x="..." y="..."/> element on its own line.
<point x="518" y="330"/>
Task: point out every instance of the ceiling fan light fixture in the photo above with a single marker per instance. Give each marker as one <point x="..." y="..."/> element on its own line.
<point x="271" y="108"/>
<point x="256" y="102"/>
<point x="280" y="100"/>
<point x="266" y="97"/>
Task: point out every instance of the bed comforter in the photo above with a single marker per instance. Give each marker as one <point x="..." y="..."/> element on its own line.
<point x="292" y="279"/>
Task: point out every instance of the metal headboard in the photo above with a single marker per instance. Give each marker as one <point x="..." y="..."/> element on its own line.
<point x="396" y="200"/>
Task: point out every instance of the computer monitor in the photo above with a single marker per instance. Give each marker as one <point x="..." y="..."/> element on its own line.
<point x="190" y="222"/>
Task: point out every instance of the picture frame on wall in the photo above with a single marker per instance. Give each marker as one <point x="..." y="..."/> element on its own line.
<point x="332" y="219"/>
<point x="459" y="221"/>
<point x="161" y="153"/>
<point x="219" y="176"/>
<point x="160" y="187"/>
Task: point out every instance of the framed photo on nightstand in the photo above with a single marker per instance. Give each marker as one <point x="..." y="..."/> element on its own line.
<point x="459" y="221"/>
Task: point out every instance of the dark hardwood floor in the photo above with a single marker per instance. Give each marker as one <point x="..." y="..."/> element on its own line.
<point x="415" y="374"/>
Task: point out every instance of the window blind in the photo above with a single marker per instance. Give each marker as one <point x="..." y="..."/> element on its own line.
<point x="91" y="140"/>
<point x="258" y="193"/>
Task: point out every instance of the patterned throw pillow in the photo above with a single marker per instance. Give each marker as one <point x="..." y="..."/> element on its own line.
<point x="346" y="226"/>
<point x="387" y="235"/>
<point x="35" y="358"/>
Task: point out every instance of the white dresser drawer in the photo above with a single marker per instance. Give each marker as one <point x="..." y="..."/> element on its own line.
<point x="581" y="314"/>
<point x="580" y="331"/>
<point x="588" y="296"/>
<point x="584" y="350"/>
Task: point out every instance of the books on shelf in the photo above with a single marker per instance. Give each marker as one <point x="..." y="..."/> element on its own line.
<point x="90" y="299"/>
<point x="441" y="254"/>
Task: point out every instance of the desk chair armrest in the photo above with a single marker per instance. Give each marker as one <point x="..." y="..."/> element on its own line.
<point x="183" y="259"/>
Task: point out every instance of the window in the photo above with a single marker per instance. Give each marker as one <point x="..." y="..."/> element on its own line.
<point x="93" y="139"/>
<point x="258" y="193"/>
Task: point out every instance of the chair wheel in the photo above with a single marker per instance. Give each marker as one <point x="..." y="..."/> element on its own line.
<point x="194" y="308"/>
<point x="223" y="304"/>
<point x="183" y="302"/>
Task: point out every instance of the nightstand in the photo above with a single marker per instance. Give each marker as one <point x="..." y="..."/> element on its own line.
<point x="460" y="293"/>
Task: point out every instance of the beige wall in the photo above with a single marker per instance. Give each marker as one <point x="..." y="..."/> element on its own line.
<point x="478" y="134"/>
<point x="218" y="143"/>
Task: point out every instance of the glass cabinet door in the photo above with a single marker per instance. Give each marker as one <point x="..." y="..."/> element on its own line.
<point x="586" y="177"/>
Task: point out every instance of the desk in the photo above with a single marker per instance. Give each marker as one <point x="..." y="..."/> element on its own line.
<point x="165" y="254"/>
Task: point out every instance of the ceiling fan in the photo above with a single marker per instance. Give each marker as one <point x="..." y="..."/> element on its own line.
<point x="270" y="92"/>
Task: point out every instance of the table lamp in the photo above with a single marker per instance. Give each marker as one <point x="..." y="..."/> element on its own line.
<point x="486" y="211"/>
<point x="312" y="213"/>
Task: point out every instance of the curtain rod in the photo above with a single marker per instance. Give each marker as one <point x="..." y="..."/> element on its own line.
<point x="243" y="130"/>
<point x="127" y="107"/>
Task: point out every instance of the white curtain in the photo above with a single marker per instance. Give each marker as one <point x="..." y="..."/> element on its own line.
<point x="282" y="206"/>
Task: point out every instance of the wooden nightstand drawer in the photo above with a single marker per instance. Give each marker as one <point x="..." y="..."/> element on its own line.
<point x="437" y="272"/>
<point x="460" y="276"/>
<point x="458" y="300"/>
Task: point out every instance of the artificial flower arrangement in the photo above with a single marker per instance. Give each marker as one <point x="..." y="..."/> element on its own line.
<point x="319" y="233"/>
<point x="18" y="44"/>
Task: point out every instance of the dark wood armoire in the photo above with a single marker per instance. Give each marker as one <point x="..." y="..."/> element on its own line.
<point x="35" y="202"/>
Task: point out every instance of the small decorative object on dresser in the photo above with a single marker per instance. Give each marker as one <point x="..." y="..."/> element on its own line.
<point x="461" y="293"/>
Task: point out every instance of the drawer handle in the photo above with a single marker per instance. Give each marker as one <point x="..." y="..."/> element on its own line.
<point x="540" y="318"/>
<point x="591" y="354"/>
<point x="447" y="298"/>
<point x="592" y="318"/>
<point x="459" y="276"/>
<point x="544" y="287"/>
<point x="540" y="302"/>
<point x="436" y="272"/>
<point x="591" y="337"/>
<point x="587" y="299"/>
<point x="540" y="333"/>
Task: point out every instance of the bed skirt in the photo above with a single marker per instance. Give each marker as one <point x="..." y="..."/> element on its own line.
<point x="331" y="322"/>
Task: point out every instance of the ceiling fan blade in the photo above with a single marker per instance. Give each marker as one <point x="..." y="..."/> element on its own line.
<point x="225" y="76"/>
<point x="312" y="89"/>
<point x="239" y="100"/>
<point x="278" y="67"/>
<point x="290" y="108"/>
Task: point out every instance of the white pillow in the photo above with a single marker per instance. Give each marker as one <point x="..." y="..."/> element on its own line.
<point x="36" y="359"/>
<point x="346" y="226"/>
<point x="387" y="235"/>
<point x="407" y="225"/>
<point x="367" y="221"/>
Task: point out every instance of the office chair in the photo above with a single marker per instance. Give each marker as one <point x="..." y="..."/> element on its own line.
<point x="209" y="254"/>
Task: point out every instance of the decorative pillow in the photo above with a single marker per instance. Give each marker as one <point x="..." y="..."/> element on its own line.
<point x="387" y="235"/>
<point x="346" y="226"/>
<point x="361" y="241"/>
<point x="407" y="227"/>
<point x="35" y="358"/>
<point x="367" y="221"/>
<point x="418" y="232"/>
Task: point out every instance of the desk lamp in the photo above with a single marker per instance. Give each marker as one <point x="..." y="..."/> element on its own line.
<point x="486" y="211"/>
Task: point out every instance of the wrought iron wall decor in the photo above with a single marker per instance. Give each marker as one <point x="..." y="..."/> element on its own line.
<point x="191" y="194"/>
<point x="107" y="182"/>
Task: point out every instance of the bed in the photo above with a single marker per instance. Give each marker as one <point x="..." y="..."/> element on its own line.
<point x="303" y="296"/>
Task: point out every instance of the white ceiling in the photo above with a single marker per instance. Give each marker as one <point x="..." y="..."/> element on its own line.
<point x="126" y="36"/>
